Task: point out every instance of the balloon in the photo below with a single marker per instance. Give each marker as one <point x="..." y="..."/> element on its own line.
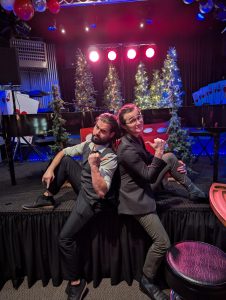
<point x="206" y="7"/>
<point x="7" y="4"/>
<point x="53" y="6"/>
<point x="23" y="9"/>
<point x="188" y="1"/>
<point x="39" y="5"/>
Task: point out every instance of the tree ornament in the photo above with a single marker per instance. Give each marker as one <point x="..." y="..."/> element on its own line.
<point x="112" y="90"/>
<point x="155" y="90"/>
<point x="58" y="130"/>
<point x="84" y="88"/>
<point x="179" y="141"/>
<point x="141" y="90"/>
<point x="171" y="82"/>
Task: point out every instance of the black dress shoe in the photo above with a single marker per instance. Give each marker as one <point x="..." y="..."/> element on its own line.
<point x="42" y="202"/>
<point x="76" y="292"/>
<point x="151" y="290"/>
<point x="194" y="193"/>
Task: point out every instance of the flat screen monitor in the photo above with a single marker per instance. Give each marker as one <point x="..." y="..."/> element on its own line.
<point x="9" y="67"/>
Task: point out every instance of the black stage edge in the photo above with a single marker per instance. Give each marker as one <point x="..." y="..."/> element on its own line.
<point x="112" y="246"/>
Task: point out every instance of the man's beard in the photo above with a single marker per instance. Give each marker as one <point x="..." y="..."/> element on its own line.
<point x="99" y="141"/>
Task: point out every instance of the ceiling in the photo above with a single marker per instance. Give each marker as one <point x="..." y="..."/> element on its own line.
<point x="120" y="22"/>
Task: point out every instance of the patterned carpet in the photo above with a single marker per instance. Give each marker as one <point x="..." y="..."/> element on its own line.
<point x="104" y="292"/>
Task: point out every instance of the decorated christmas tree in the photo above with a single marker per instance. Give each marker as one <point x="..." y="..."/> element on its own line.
<point x="179" y="141"/>
<point x="155" y="90"/>
<point x="171" y="81"/>
<point x="84" y="88"/>
<point x="112" y="90"/>
<point x="141" y="90"/>
<point x="58" y="130"/>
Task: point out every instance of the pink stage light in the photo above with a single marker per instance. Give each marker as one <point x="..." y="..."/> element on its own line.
<point x="94" y="56"/>
<point x="131" y="53"/>
<point x="112" y="55"/>
<point x="150" y="52"/>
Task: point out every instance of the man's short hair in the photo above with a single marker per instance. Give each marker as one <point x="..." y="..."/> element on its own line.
<point x="111" y="120"/>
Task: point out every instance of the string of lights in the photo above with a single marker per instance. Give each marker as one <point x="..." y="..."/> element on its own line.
<point x="92" y="2"/>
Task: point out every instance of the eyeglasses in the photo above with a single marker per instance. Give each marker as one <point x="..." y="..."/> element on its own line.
<point x="134" y="120"/>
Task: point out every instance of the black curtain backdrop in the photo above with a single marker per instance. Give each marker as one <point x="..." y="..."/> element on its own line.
<point x="111" y="246"/>
<point x="201" y="60"/>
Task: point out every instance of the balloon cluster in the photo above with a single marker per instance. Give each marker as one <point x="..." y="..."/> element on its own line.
<point x="207" y="6"/>
<point x="25" y="9"/>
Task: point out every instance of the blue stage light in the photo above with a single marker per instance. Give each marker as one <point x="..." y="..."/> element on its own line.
<point x="149" y="21"/>
<point x="52" y="28"/>
<point x="200" y="17"/>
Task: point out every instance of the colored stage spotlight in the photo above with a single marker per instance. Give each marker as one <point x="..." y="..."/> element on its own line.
<point x="131" y="53"/>
<point x="112" y="55"/>
<point x="94" y="56"/>
<point x="200" y="17"/>
<point x="150" y="52"/>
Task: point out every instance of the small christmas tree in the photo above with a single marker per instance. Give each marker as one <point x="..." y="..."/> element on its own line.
<point x="141" y="90"/>
<point x="84" y="88"/>
<point x="179" y="141"/>
<point x="171" y="81"/>
<point x="112" y="90"/>
<point x="155" y="90"/>
<point x="58" y="130"/>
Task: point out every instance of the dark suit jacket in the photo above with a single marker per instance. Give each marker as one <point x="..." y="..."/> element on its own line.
<point x="138" y="169"/>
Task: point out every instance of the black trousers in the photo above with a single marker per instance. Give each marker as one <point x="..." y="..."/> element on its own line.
<point x="70" y="170"/>
<point x="68" y="242"/>
<point x="82" y="212"/>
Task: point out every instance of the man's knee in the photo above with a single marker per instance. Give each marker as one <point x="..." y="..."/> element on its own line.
<point x="65" y="243"/>
<point x="163" y="244"/>
<point x="169" y="158"/>
<point x="66" y="160"/>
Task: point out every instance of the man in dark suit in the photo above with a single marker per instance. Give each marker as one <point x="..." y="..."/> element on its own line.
<point x="141" y="173"/>
<point x="92" y="181"/>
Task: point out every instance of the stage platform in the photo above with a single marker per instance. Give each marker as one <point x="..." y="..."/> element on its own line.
<point x="112" y="246"/>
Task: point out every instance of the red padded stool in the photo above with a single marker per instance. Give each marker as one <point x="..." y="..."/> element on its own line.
<point x="196" y="270"/>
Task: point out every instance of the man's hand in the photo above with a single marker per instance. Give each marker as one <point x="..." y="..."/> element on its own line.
<point x="158" y="144"/>
<point x="94" y="160"/>
<point x="48" y="177"/>
<point x="182" y="167"/>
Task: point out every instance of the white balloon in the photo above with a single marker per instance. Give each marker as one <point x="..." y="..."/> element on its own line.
<point x="39" y="5"/>
<point x="206" y="7"/>
<point x="188" y="1"/>
<point x="7" y="4"/>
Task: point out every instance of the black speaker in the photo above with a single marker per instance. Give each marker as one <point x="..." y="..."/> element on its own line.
<point x="9" y="67"/>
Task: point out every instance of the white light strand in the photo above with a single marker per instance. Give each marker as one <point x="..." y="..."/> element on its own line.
<point x="93" y="2"/>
